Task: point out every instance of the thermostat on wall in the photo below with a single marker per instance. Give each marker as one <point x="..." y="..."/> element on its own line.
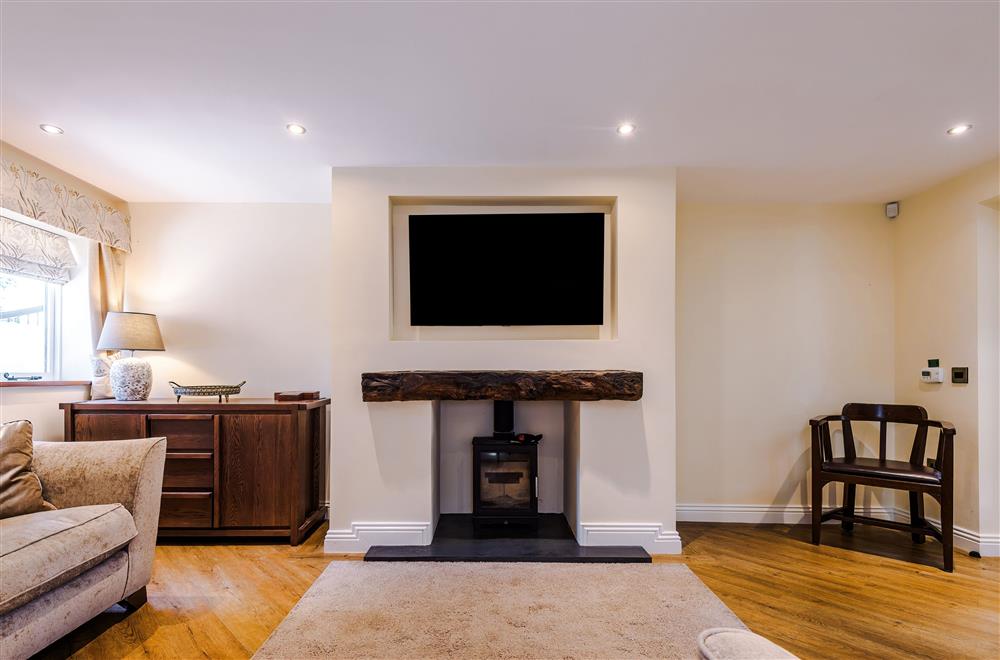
<point x="932" y="373"/>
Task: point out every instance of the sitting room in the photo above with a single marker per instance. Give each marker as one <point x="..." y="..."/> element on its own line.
<point x="499" y="329"/>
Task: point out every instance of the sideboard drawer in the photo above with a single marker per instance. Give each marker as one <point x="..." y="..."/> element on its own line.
<point x="188" y="470"/>
<point x="108" y="426"/>
<point x="192" y="509"/>
<point x="184" y="431"/>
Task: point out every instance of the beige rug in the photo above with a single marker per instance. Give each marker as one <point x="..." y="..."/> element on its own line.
<point x="479" y="610"/>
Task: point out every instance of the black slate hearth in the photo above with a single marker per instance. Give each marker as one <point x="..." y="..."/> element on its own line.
<point x="553" y="541"/>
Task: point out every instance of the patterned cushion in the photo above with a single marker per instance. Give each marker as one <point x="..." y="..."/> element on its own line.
<point x="40" y="551"/>
<point x="20" y="489"/>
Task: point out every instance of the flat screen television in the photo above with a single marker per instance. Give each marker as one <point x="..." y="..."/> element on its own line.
<point x="507" y="269"/>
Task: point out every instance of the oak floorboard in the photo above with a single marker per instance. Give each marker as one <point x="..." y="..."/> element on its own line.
<point x="869" y="594"/>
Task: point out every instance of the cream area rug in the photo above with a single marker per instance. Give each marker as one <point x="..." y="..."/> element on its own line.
<point x="501" y="610"/>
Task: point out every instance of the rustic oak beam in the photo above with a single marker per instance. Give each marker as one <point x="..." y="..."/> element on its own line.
<point x="501" y="385"/>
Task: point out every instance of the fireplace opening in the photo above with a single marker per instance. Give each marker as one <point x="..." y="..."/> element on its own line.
<point x="504" y="497"/>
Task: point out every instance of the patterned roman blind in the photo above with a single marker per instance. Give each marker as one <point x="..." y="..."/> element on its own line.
<point x="31" y="193"/>
<point x="34" y="252"/>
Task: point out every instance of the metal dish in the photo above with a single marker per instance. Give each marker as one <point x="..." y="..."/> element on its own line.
<point x="206" y="390"/>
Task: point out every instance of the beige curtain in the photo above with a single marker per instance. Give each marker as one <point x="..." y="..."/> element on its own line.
<point x="107" y="285"/>
<point x="107" y="294"/>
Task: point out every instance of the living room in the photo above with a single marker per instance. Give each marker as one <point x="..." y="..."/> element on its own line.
<point x="336" y="329"/>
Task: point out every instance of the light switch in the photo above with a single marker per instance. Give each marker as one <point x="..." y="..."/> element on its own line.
<point x="960" y="375"/>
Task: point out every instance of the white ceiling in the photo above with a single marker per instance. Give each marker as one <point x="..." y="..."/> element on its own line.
<point x="762" y="101"/>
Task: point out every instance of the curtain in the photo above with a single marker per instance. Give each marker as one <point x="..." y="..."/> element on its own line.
<point x="33" y="252"/>
<point x="107" y="285"/>
<point x="107" y="294"/>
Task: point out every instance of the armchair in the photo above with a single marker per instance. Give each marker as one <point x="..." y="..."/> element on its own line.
<point x="61" y="568"/>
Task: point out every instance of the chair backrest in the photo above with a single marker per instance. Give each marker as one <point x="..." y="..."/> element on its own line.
<point x="884" y="414"/>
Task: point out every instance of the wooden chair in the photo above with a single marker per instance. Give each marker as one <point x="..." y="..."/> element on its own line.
<point x="911" y="475"/>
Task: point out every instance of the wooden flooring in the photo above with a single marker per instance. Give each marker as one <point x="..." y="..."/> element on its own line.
<point x="871" y="595"/>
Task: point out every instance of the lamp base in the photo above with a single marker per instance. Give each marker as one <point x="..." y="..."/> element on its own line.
<point x="131" y="379"/>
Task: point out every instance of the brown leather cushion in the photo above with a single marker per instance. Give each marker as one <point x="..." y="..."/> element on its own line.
<point x="20" y="488"/>
<point x="872" y="467"/>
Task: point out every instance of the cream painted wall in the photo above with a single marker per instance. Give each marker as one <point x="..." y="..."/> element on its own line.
<point x="784" y="312"/>
<point x="937" y="281"/>
<point x="372" y="494"/>
<point x="241" y="291"/>
<point x="40" y="406"/>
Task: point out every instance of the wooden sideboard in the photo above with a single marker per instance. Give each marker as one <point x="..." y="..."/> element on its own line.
<point x="248" y="467"/>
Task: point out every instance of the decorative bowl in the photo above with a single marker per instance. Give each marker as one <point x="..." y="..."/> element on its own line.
<point x="206" y="390"/>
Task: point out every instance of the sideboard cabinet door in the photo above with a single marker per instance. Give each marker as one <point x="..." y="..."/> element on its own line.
<point x="108" y="426"/>
<point x="254" y="454"/>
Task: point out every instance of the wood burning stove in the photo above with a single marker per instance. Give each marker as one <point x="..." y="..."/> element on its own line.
<point x="504" y="474"/>
<point x="505" y="482"/>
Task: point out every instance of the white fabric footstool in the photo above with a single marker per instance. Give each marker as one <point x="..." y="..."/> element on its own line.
<point x="738" y="644"/>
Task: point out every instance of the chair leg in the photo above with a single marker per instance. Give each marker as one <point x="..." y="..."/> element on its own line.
<point x="948" y="531"/>
<point x="850" y="491"/>
<point x="817" y="509"/>
<point x="917" y="514"/>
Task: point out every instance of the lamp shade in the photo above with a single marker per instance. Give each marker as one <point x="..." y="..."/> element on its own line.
<point x="130" y="331"/>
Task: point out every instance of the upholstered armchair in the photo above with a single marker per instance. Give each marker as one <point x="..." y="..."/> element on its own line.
<point x="61" y="568"/>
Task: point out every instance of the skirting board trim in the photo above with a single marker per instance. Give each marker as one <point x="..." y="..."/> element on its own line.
<point x="987" y="545"/>
<point x="362" y="535"/>
<point x="788" y="514"/>
<point x="797" y="514"/>
<point x="651" y="536"/>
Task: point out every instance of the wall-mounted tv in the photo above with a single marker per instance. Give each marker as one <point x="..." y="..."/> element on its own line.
<point x="507" y="269"/>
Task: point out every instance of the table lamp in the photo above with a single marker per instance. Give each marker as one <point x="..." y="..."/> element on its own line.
<point x="131" y="377"/>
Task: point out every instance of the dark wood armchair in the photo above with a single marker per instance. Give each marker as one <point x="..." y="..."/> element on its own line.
<point x="911" y="475"/>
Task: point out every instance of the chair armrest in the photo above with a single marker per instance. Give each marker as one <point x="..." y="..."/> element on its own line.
<point x="947" y="428"/>
<point x="127" y="472"/>
<point x="112" y="471"/>
<point x="826" y="419"/>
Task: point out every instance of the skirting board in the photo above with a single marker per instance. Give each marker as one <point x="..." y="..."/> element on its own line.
<point x="363" y="535"/>
<point x="651" y="536"/>
<point x="988" y="545"/>
<point x="796" y="514"/>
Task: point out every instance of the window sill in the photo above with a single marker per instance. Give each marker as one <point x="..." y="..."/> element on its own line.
<point x="44" y="383"/>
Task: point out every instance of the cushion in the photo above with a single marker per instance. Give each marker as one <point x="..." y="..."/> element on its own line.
<point x="100" y="384"/>
<point x="873" y="467"/>
<point x="738" y="644"/>
<point x="20" y="488"/>
<point x="41" y="551"/>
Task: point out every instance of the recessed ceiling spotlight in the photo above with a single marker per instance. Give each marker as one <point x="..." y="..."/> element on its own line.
<point x="626" y="129"/>
<point x="296" y="129"/>
<point x="958" y="130"/>
<point x="50" y="129"/>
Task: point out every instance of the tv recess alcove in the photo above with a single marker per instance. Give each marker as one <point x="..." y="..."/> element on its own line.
<point x="614" y="454"/>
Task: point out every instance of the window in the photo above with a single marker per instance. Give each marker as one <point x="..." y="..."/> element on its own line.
<point x="29" y="322"/>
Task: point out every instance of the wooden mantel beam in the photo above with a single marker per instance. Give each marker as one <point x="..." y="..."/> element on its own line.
<point x="501" y="385"/>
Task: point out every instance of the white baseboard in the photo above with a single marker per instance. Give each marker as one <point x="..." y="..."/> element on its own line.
<point x="362" y="535"/>
<point x="987" y="545"/>
<point x="797" y="514"/>
<point x="651" y="536"/>
<point x="787" y="514"/>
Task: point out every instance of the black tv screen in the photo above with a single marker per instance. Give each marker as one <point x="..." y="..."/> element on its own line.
<point x="507" y="269"/>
